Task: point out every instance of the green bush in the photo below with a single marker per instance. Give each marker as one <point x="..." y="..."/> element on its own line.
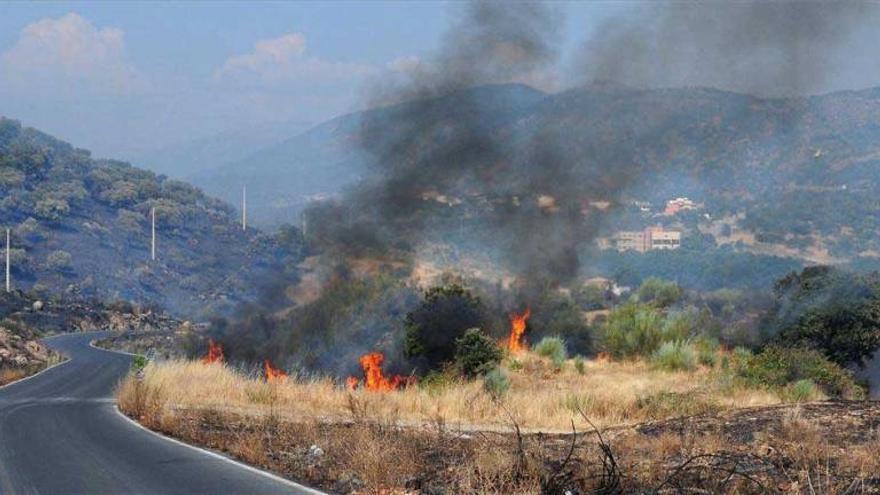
<point x="801" y="391"/>
<point x="580" y="365"/>
<point x="138" y="363"/>
<point x="831" y="310"/>
<point x="678" y="355"/>
<point x="632" y="329"/>
<point x="659" y="292"/>
<point x="635" y="329"/>
<point x="707" y="351"/>
<point x="476" y="353"/>
<point x="553" y="348"/>
<point x="780" y="366"/>
<point x="496" y="383"/>
<point x="433" y="328"/>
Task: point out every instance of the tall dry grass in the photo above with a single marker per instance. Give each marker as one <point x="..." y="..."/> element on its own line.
<point x="541" y="396"/>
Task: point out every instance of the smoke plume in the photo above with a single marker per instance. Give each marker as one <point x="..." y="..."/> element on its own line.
<point x="765" y="48"/>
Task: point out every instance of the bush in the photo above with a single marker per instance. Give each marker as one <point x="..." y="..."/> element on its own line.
<point x="780" y="366"/>
<point x="590" y="297"/>
<point x="138" y="363"/>
<point x="553" y="348"/>
<point x="659" y="292"/>
<point x="433" y="328"/>
<point x="476" y="353"/>
<point x="676" y="355"/>
<point x="833" y="311"/>
<point x="707" y="351"/>
<point x="802" y="391"/>
<point x="635" y="329"/>
<point x="579" y="365"/>
<point x="59" y="260"/>
<point x="496" y="383"/>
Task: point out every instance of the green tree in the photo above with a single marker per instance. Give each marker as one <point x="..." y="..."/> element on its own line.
<point x="51" y="209"/>
<point x="434" y="326"/>
<point x="833" y="311"/>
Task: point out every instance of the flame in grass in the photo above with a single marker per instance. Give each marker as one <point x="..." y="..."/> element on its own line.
<point x="374" y="379"/>
<point x="352" y="383"/>
<point x="517" y="328"/>
<point x="273" y="375"/>
<point x="215" y="353"/>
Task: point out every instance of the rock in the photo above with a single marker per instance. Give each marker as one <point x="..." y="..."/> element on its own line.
<point x="315" y="453"/>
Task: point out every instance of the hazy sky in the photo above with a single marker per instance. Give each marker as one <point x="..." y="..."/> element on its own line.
<point x="124" y="77"/>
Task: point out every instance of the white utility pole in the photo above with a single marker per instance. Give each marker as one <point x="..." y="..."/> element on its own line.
<point x="153" y="243"/>
<point x="8" y="277"/>
<point x="243" y="207"/>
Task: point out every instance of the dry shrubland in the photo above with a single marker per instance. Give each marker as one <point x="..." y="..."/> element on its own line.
<point x="541" y="396"/>
<point x="454" y="437"/>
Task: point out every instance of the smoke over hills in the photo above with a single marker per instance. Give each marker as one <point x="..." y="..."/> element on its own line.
<point x="467" y="156"/>
<point x="447" y="140"/>
<point x="764" y="48"/>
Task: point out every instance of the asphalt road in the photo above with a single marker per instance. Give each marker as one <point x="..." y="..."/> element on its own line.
<point x="60" y="433"/>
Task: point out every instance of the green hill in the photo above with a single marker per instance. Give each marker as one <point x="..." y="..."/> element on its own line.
<point x="81" y="226"/>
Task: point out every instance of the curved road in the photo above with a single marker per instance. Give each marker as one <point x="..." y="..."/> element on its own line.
<point x="60" y="432"/>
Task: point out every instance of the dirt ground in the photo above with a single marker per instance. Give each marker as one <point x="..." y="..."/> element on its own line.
<point x="825" y="447"/>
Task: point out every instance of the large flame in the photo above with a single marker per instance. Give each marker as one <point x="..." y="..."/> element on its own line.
<point x="215" y="353"/>
<point x="517" y="328"/>
<point x="274" y="375"/>
<point x="375" y="379"/>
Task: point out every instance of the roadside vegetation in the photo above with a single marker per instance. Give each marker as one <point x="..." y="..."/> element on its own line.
<point x="475" y="408"/>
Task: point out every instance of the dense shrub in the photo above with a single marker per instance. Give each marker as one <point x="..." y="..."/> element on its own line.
<point x="833" y="311"/>
<point x="59" y="260"/>
<point x="659" y="292"/>
<point x="635" y="329"/>
<point x="476" y="353"/>
<point x="590" y="297"/>
<point x="777" y="366"/>
<point x="553" y="348"/>
<point x="433" y="328"/>
<point x="496" y="383"/>
<point x="676" y="355"/>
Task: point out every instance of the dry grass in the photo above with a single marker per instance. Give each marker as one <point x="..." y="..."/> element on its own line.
<point x="540" y="398"/>
<point x="367" y="444"/>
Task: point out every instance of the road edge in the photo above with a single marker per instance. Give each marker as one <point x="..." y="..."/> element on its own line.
<point x="222" y="457"/>
<point x="212" y="453"/>
<point x="65" y="361"/>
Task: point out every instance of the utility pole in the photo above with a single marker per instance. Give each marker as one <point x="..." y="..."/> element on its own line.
<point x="153" y="242"/>
<point x="8" y="278"/>
<point x="243" y="207"/>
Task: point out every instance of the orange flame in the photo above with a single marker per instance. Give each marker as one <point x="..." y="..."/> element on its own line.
<point x="517" y="329"/>
<point x="274" y="375"/>
<point x="375" y="379"/>
<point x="215" y="353"/>
<point x="352" y="383"/>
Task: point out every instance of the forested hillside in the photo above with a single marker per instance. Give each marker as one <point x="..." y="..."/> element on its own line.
<point x="82" y="226"/>
<point x="797" y="171"/>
